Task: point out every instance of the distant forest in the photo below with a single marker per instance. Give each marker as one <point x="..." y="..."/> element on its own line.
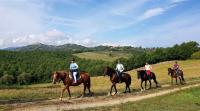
<point x="24" y="66"/>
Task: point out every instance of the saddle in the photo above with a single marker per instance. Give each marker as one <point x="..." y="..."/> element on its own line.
<point x="177" y="72"/>
<point x="146" y="76"/>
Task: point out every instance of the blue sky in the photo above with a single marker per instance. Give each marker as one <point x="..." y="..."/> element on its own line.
<point x="146" y="23"/>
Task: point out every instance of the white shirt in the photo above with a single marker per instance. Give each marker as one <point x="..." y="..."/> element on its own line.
<point x="148" y="67"/>
<point x="120" y="67"/>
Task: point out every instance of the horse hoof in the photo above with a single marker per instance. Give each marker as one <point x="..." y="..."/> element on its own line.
<point x="142" y="90"/>
<point x="60" y="99"/>
<point x="69" y="98"/>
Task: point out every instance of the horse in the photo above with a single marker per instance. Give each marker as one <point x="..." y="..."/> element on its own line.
<point x="141" y="74"/>
<point x="115" y="79"/>
<point x="65" y="77"/>
<point x="173" y="74"/>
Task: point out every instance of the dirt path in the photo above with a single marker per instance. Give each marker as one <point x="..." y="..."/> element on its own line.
<point x="87" y="102"/>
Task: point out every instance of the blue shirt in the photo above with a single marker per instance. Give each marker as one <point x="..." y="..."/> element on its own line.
<point x="73" y="66"/>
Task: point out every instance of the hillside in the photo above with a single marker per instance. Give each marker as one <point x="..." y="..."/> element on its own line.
<point x="44" y="47"/>
<point x="75" y="48"/>
<point x="105" y="56"/>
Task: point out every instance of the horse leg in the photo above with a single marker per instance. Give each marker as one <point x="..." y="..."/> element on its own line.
<point x="155" y="82"/>
<point x="84" y="84"/>
<point x="115" y="89"/>
<point x="150" y="84"/>
<point x="176" y="81"/>
<point x="180" y="80"/>
<point x="126" y="88"/>
<point x="88" y="87"/>
<point x="141" y="85"/>
<point x="69" y="92"/>
<point x="111" y="89"/>
<point x="171" y="80"/>
<point x="129" y="88"/>
<point x="63" y="90"/>
<point x="145" y="87"/>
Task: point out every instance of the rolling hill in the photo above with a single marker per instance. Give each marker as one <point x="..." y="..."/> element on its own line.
<point x="105" y="56"/>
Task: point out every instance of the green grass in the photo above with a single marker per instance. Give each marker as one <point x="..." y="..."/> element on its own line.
<point x="102" y="55"/>
<point x="99" y="85"/>
<point x="188" y="100"/>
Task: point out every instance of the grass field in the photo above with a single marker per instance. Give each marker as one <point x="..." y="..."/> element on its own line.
<point x="188" y="100"/>
<point x="99" y="85"/>
<point x="102" y="55"/>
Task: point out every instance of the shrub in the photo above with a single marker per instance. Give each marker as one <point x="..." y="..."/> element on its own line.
<point x="196" y="55"/>
<point x="7" y="79"/>
<point x="24" y="78"/>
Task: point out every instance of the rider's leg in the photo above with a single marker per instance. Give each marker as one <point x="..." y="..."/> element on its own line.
<point x="74" y="75"/>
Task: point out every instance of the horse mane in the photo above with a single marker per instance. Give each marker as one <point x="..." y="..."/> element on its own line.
<point x="62" y="74"/>
<point x="141" y="71"/>
<point x="110" y="69"/>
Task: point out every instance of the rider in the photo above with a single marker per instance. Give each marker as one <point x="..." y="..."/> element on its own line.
<point x="119" y="70"/>
<point x="74" y="69"/>
<point x="148" y="70"/>
<point x="176" y="67"/>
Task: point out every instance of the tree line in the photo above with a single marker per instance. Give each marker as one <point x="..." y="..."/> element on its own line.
<point x="27" y="67"/>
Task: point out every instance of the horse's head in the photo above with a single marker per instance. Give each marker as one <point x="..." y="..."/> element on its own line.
<point x="169" y="71"/>
<point x="138" y="74"/>
<point x="55" y="77"/>
<point x="108" y="71"/>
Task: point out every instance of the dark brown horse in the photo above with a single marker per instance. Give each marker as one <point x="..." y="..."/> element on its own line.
<point x="67" y="81"/>
<point x="173" y="74"/>
<point x="115" y="79"/>
<point x="141" y="74"/>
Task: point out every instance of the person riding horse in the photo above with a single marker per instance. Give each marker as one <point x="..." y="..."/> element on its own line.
<point x="148" y="70"/>
<point x="176" y="68"/>
<point x="74" y="70"/>
<point x="119" y="70"/>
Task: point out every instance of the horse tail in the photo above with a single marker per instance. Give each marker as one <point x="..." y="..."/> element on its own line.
<point x="130" y="79"/>
<point x="89" y="82"/>
<point x="182" y="76"/>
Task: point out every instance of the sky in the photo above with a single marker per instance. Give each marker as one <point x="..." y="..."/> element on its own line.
<point x="145" y="23"/>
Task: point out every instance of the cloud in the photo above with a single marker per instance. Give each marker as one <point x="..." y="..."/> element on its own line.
<point x="180" y="29"/>
<point x="151" y="12"/>
<point x="26" y="22"/>
<point x="51" y="37"/>
<point x="177" y="1"/>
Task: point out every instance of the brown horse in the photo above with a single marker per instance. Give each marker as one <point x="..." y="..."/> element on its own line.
<point x="67" y="81"/>
<point x="115" y="79"/>
<point x="141" y="74"/>
<point x="173" y="74"/>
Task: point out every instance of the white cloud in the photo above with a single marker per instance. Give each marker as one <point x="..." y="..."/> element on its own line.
<point x="180" y="29"/>
<point x="151" y="12"/>
<point x="51" y="37"/>
<point x="177" y="1"/>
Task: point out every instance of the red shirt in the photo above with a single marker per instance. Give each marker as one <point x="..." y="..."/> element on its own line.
<point x="176" y="66"/>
